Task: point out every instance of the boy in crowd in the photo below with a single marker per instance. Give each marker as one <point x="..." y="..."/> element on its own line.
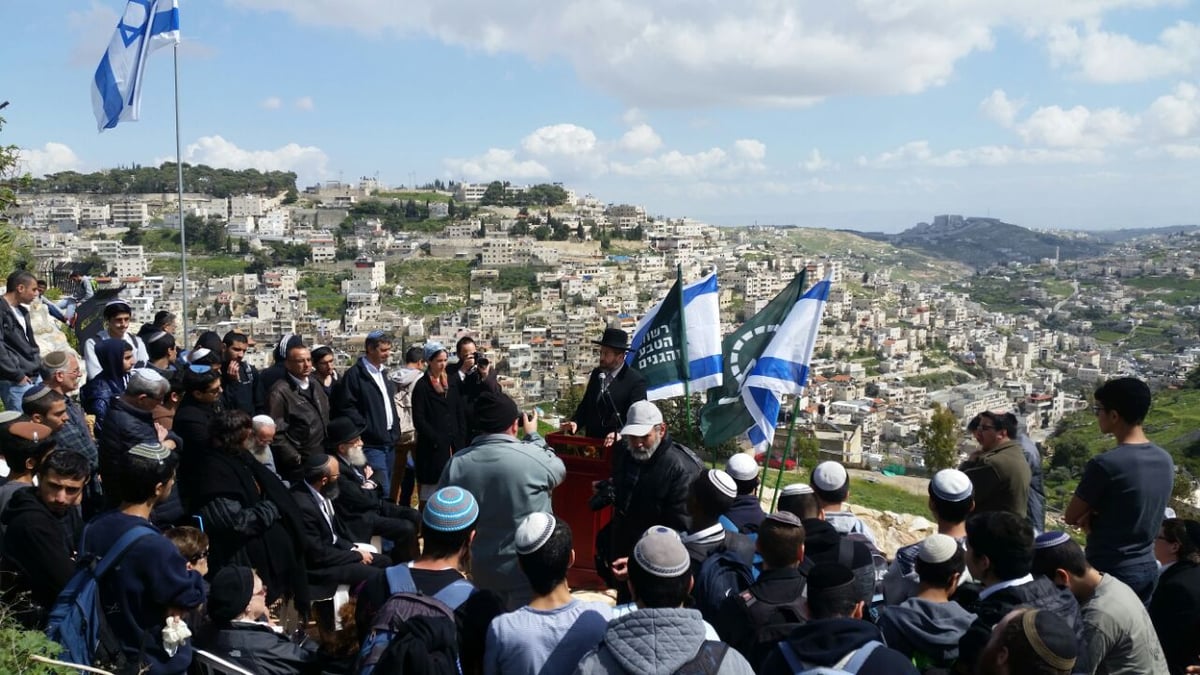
<point x="745" y="513"/>
<point x="831" y="484"/>
<point x="928" y="626"/>
<point x="1030" y="642"/>
<point x="1119" y="637"/>
<point x="661" y="636"/>
<point x="950" y="501"/>
<point x="554" y="630"/>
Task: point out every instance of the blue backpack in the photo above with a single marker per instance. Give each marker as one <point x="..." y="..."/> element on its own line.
<point x="405" y="606"/>
<point x="849" y="664"/>
<point x="77" y="621"/>
<point x="724" y="573"/>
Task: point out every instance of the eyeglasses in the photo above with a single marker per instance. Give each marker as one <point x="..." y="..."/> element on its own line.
<point x="1097" y="409"/>
<point x="984" y="428"/>
<point x="261" y="591"/>
<point x="198" y="557"/>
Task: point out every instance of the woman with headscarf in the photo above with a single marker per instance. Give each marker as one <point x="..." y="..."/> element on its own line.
<point x="440" y="421"/>
<point x="116" y="360"/>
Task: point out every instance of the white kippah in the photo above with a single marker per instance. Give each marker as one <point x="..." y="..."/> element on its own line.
<point x="742" y="467"/>
<point x="534" y="532"/>
<point x="148" y="374"/>
<point x="829" y="476"/>
<point x="951" y="485"/>
<point x="796" y="489"/>
<point x="937" y="548"/>
<point x="723" y="482"/>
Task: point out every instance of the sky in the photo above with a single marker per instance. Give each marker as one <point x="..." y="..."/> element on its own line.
<point x="865" y="114"/>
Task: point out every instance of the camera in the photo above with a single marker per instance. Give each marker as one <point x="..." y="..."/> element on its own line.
<point x="482" y="361"/>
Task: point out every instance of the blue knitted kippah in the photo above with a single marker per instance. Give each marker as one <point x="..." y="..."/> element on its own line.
<point x="1050" y="540"/>
<point x="450" y="509"/>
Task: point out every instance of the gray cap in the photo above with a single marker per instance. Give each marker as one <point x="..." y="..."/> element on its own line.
<point x="661" y="553"/>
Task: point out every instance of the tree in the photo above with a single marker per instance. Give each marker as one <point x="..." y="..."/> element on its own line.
<point x="133" y="236"/>
<point x="808" y="451"/>
<point x="1193" y="379"/>
<point x="15" y="247"/>
<point x="940" y="438"/>
<point x="493" y="195"/>
<point x="1070" y="454"/>
<point x="569" y="400"/>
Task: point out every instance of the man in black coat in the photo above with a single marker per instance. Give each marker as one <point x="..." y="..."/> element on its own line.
<point x="332" y="557"/>
<point x="360" y="504"/>
<point x="612" y="387"/>
<point x="470" y="377"/>
<point x="238" y="378"/>
<point x="366" y="395"/>
<point x="300" y="408"/>
<point x="42" y="529"/>
<point x="131" y="417"/>
<point x="1175" y="605"/>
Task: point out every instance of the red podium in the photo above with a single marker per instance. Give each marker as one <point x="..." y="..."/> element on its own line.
<point x="587" y="461"/>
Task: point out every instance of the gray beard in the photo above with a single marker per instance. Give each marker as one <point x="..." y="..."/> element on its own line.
<point x="356" y="457"/>
<point x="641" y="455"/>
<point x="261" y="452"/>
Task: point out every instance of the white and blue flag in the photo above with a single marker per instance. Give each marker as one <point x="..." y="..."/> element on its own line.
<point x="705" y="364"/>
<point x="783" y="367"/>
<point x="117" y="86"/>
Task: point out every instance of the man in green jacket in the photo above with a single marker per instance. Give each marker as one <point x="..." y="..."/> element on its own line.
<point x="511" y="478"/>
<point x="998" y="470"/>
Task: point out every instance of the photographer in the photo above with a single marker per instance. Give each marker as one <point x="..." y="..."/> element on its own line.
<point x="512" y="476"/>
<point x="470" y="377"/>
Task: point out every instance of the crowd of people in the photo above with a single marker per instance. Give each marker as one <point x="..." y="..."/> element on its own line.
<point x="396" y="517"/>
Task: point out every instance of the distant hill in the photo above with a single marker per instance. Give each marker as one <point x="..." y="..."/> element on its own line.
<point x="871" y="254"/>
<point x="1123" y="235"/>
<point x="981" y="242"/>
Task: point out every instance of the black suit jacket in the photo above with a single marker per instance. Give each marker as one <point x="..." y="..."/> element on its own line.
<point x="598" y="414"/>
<point x="468" y="388"/>
<point x="319" y="550"/>
<point x="358" y="507"/>
<point x="1175" y="611"/>
<point x="357" y="397"/>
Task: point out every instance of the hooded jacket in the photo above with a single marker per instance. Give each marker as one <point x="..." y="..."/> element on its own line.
<point x="38" y="548"/>
<point x="1041" y="593"/>
<point x="99" y="392"/>
<point x="654" y="642"/>
<point x="925" y="631"/>
<point x="19" y="355"/>
<point x="824" y="642"/>
<point x="824" y="544"/>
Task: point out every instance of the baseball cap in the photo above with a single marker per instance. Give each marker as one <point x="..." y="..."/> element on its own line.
<point x="641" y="418"/>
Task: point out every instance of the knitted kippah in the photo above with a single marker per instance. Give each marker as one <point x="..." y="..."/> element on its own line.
<point x="722" y="481"/>
<point x="661" y="553"/>
<point x="450" y="509"/>
<point x="937" y="548"/>
<point x="785" y="518"/>
<point x="1050" y="540"/>
<point x="155" y="451"/>
<point x="35" y="393"/>
<point x="534" y="532"/>
<point x="951" y="485"/>
<point x="796" y="489"/>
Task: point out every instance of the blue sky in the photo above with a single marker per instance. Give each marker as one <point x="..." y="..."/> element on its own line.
<point x="871" y="114"/>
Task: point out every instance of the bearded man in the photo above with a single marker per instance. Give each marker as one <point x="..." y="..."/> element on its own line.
<point x="359" y="503"/>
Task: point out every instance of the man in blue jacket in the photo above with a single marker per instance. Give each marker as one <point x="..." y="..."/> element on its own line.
<point x="366" y="395"/>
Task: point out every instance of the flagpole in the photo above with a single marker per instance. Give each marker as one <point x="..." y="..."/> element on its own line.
<point x="182" y="226"/>
<point x="787" y="449"/>
<point x="683" y="353"/>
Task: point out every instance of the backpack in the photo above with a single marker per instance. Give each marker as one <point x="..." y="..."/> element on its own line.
<point x="727" y="571"/>
<point x="847" y="665"/>
<point x="425" y="645"/>
<point x="878" y="559"/>
<point x="403" y="399"/>
<point x="771" y="622"/>
<point x="77" y="621"/>
<point x="394" y="622"/>
<point x="707" y="660"/>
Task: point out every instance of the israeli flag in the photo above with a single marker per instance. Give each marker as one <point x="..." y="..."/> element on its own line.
<point x="783" y="367"/>
<point x="117" y="86"/>
<point x="702" y="314"/>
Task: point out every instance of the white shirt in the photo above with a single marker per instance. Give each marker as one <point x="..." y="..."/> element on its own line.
<point x="996" y="588"/>
<point x="388" y="404"/>
<point x="326" y="508"/>
<point x="20" y="317"/>
<point x="93" y="363"/>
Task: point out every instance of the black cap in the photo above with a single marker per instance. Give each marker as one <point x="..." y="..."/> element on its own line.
<point x="495" y="412"/>
<point x="230" y="593"/>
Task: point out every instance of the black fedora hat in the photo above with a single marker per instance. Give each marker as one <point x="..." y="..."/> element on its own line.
<point x="342" y="430"/>
<point x="614" y="338"/>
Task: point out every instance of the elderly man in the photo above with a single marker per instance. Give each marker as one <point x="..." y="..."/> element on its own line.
<point x="611" y="389"/>
<point x="513" y="476"/>
<point x="998" y="470"/>
<point x="651" y="477"/>
<point x="60" y="373"/>
<point x="264" y="436"/>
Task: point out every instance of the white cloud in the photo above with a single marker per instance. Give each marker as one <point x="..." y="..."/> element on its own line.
<point x="815" y="162"/>
<point x="50" y="158"/>
<point x="642" y="139"/>
<point x="308" y="161"/>
<point x="1175" y="115"/>
<point x="919" y="153"/>
<point x="671" y="54"/>
<point x="674" y="164"/>
<point x="999" y="108"/>
<point x="633" y="117"/>
<point x="496" y="164"/>
<point x="560" y="139"/>
<point x="1101" y="56"/>
<point x="1077" y="127"/>
<point x="304" y="103"/>
<point x="271" y="103"/>
<point x="93" y="28"/>
<point x="750" y="149"/>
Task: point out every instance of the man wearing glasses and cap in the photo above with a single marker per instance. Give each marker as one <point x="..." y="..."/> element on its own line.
<point x="611" y="389"/>
<point x="117" y="318"/>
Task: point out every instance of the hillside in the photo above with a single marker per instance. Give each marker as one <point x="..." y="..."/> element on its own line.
<point x="982" y="242"/>
<point x="1123" y="235"/>
<point x="861" y="251"/>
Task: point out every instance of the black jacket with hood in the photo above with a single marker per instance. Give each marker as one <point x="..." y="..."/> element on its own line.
<point x="39" y="550"/>
<point x="824" y="642"/>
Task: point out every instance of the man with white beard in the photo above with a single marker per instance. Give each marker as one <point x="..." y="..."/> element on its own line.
<point x="264" y="435"/>
<point x="360" y="504"/>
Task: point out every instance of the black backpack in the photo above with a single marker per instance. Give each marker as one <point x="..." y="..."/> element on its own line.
<point x="771" y="622"/>
<point x="423" y="645"/>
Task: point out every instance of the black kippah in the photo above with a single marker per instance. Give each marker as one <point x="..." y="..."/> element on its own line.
<point x="827" y="576"/>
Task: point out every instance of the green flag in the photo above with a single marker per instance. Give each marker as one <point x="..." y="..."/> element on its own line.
<point x="659" y="344"/>
<point x="725" y="415"/>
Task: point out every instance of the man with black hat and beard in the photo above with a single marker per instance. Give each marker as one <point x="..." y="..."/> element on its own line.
<point x="360" y="503"/>
<point x="612" y="387"/>
<point x="512" y="476"/>
<point x="332" y="556"/>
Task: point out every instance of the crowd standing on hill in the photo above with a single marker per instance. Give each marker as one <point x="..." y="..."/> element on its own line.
<point x="223" y="513"/>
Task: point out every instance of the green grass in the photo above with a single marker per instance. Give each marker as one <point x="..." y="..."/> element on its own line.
<point x="864" y="493"/>
<point x="416" y="196"/>
<point x="1058" y="288"/>
<point x="1172" y="290"/>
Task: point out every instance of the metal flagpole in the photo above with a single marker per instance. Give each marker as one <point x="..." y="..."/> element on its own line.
<point x="787" y="450"/>
<point x="683" y="352"/>
<point x="182" y="226"/>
